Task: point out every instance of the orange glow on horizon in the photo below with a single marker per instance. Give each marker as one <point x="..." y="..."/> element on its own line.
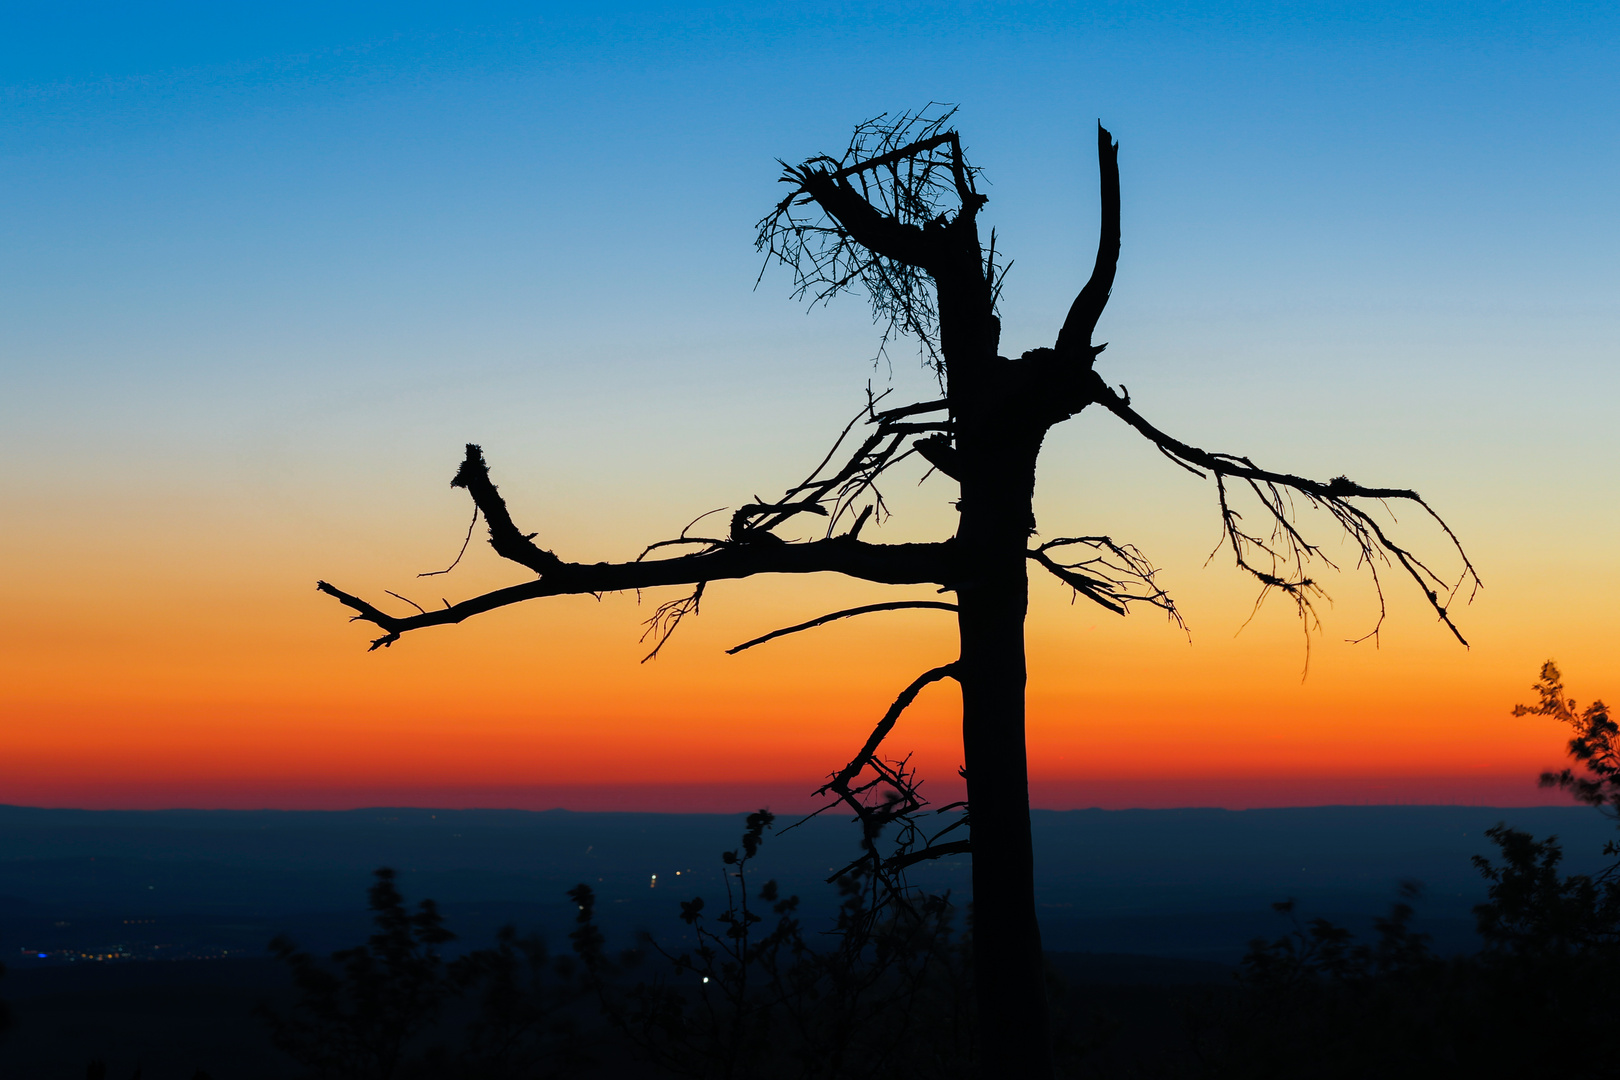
<point x="217" y="676"/>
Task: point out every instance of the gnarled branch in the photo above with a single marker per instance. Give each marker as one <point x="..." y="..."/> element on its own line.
<point x="505" y="537"/>
<point x="892" y="564"/>
<point x="751" y="548"/>
<point x="1074" y="340"/>
<point x="889" y="564"/>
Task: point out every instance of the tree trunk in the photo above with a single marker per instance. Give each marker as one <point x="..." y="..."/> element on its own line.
<point x="1009" y="981"/>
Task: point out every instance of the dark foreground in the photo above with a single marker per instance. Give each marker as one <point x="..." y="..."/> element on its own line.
<point x="173" y="1019"/>
<point x="139" y="942"/>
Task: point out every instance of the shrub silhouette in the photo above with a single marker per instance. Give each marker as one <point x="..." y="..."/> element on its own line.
<point x="375" y="1012"/>
<point x="1539" y="999"/>
<point x="752" y="995"/>
<point x="885" y="990"/>
<point x="1595" y="746"/>
<point x="358" y="1022"/>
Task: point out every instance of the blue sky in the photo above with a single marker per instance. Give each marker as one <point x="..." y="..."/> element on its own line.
<point x="205" y="203"/>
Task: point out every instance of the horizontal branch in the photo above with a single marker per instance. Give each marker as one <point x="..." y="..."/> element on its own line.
<point x="909" y="410"/>
<point x="1242" y="468"/>
<point x="924" y="854"/>
<point x="895" y="605"/>
<point x="889" y="564"/>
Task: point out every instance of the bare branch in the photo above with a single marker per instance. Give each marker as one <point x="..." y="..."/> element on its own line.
<point x="504" y="536"/>
<point x="839" y="784"/>
<point x="684" y="538"/>
<point x="471" y="525"/>
<point x="669" y="616"/>
<point x="1093" y="589"/>
<point x="679" y="541"/>
<point x="407" y="599"/>
<point x="909" y="410"/>
<point x="1278" y="560"/>
<point x="895" y="605"/>
<point x="922" y="146"/>
<point x="901" y="799"/>
<point x="1106" y="577"/>
<point x="924" y="854"/>
<point x="891" y="564"/>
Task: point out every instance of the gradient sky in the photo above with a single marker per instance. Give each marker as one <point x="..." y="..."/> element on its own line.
<point x="264" y="269"/>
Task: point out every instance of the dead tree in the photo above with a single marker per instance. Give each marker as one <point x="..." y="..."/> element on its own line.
<point x="896" y="215"/>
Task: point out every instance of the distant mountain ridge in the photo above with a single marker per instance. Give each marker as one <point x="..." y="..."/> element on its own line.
<point x="1172" y="882"/>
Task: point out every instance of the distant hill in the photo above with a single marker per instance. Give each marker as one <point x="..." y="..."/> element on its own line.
<point x="1187" y="883"/>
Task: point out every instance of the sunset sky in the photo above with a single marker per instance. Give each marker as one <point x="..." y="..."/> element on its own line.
<point x="265" y="268"/>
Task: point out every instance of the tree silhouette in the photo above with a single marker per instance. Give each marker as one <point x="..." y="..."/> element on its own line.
<point x="1595" y="746"/>
<point x="897" y="216"/>
<point x="1533" y="909"/>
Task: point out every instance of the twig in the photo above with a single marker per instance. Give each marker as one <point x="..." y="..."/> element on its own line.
<point x="895" y="605"/>
<point x="473" y="524"/>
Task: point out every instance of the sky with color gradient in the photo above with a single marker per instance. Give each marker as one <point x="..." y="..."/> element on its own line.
<point x="265" y="268"/>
